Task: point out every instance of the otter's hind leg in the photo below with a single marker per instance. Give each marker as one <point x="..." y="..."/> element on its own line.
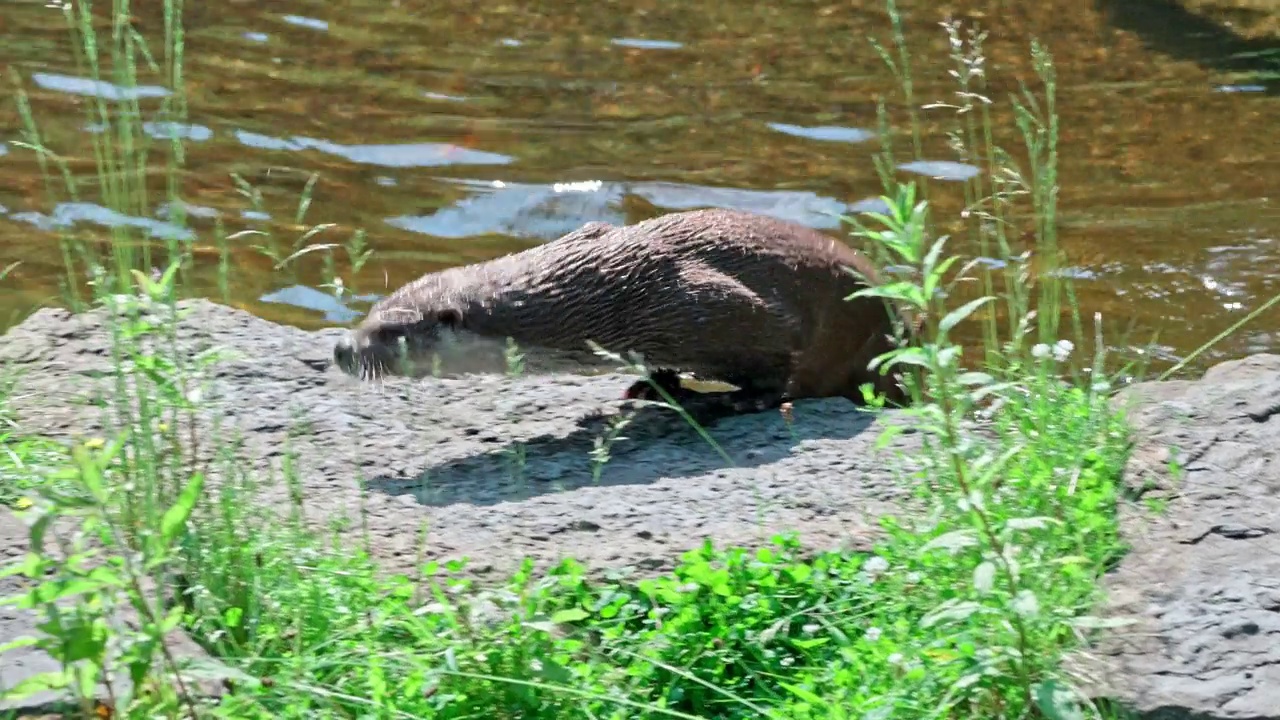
<point x="733" y="336"/>
<point x="763" y="388"/>
<point x="754" y="394"/>
<point x="665" y="378"/>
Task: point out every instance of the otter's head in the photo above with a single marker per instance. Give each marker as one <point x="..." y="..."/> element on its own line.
<point x="397" y="341"/>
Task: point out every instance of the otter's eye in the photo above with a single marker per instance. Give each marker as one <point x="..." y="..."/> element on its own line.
<point x="389" y="334"/>
<point x="450" y="318"/>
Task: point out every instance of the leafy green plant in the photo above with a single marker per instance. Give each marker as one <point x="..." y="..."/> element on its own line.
<point x="82" y="635"/>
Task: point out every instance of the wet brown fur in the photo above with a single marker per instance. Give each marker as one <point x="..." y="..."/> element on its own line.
<point x="726" y="295"/>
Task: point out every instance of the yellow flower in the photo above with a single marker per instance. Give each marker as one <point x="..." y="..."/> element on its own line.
<point x="94" y="443"/>
<point x="23" y="503"/>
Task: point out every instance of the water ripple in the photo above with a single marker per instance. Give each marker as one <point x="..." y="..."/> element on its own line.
<point x="96" y="88"/>
<point x="68" y="214"/>
<point x="399" y="155"/>
<point x="548" y="211"/>
<point x="826" y="133"/>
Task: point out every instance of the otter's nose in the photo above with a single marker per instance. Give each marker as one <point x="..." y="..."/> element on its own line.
<point x="344" y="354"/>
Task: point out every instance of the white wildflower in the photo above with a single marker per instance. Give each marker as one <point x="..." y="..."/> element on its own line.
<point x="873" y="634"/>
<point x="874" y="566"/>
<point x="1040" y="351"/>
<point x="1062" y="350"/>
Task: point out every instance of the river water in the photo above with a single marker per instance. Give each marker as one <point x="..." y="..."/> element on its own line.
<point x="452" y="132"/>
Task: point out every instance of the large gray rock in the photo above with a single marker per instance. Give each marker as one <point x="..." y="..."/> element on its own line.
<point x="1202" y="581"/>
<point x="489" y="468"/>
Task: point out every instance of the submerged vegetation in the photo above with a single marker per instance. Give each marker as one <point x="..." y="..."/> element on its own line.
<point x="965" y="611"/>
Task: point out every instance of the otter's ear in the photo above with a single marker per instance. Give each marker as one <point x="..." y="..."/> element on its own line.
<point x="450" y="318"/>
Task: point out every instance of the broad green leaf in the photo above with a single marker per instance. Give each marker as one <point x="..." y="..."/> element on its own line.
<point x="140" y="665"/>
<point x="806" y="644"/>
<point x="954" y="540"/>
<point x="947" y="355"/>
<point x="986" y="390"/>
<point x="967" y="680"/>
<point x="166" y="280"/>
<point x="943" y="267"/>
<point x="450" y="659"/>
<point x="107" y="577"/>
<point x="171" y="620"/>
<point x="950" y="610"/>
<point x="80" y="639"/>
<point x="901" y="290"/>
<point x="570" y="615"/>
<point x="931" y="259"/>
<point x="1030" y="523"/>
<point x="176" y="517"/>
<point x="25" y="641"/>
<point x="998" y="464"/>
<point x="804" y="694"/>
<point x="545" y="626"/>
<point x="53" y="590"/>
<point x="145" y="283"/>
<point x="902" y="356"/>
<point x="974" y="378"/>
<point x="955" y="317"/>
<point x="90" y="473"/>
<point x="88" y="674"/>
<point x="554" y="672"/>
<point x="44" y="682"/>
<point x="29" y="566"/>
<point x="888" y="434"/>
<point x="800" y="573"/>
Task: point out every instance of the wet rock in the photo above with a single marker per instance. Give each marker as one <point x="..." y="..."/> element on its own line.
<point x="1201" y="582"/>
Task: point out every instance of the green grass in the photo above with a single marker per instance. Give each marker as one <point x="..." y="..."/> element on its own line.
<point x="963" y="612"/>
<point x="25" y="461"/>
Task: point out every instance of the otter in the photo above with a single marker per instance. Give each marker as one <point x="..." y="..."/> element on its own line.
<point x="725" y="295"/>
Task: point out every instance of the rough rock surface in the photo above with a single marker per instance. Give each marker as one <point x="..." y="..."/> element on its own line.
<point x="492" y="469"/>
<point x="1201" y="582"/>
<point x="495" y="469"/>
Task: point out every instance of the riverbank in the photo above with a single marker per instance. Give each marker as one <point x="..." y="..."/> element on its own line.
<point x="624" y="554"/>
<point x="222" y="525"/>
<point x="500" y="472"/>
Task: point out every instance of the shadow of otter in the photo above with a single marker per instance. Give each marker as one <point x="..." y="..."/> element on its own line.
<point x="655" y="443"/>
